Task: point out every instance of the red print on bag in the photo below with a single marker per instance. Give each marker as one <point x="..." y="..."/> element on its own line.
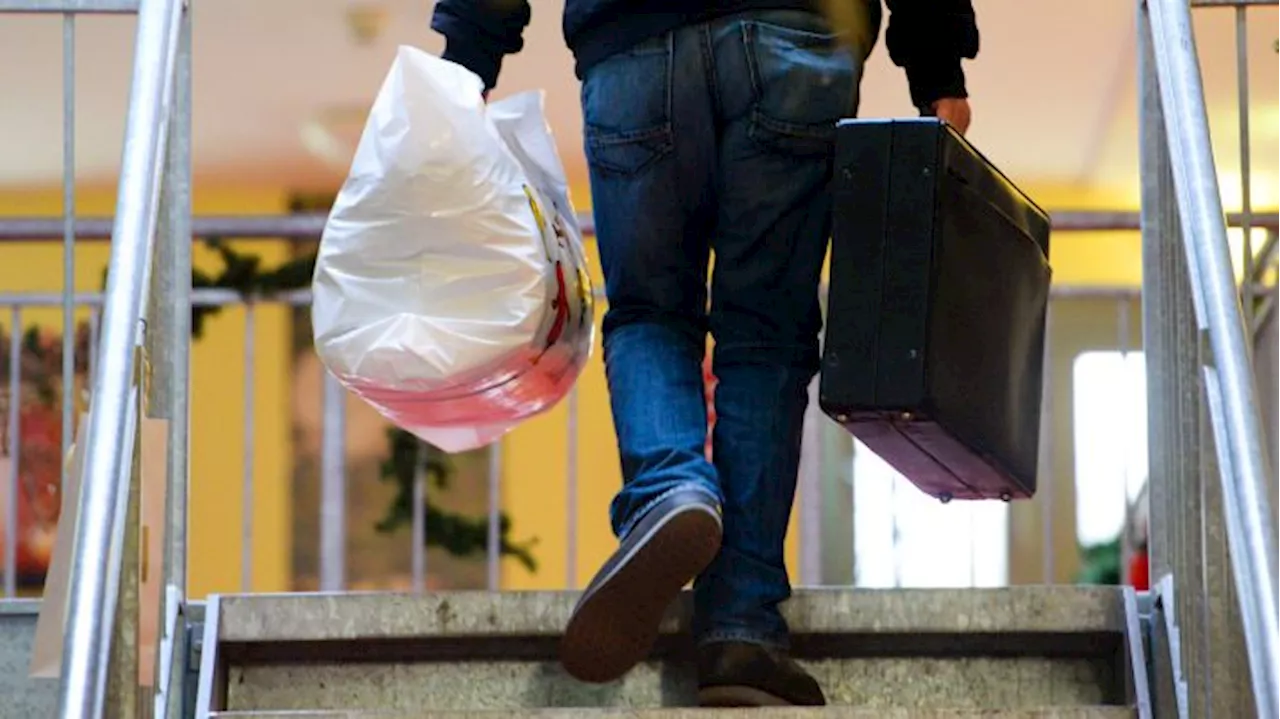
<point x="709" y="393"/>
<point x="561" y="305"/>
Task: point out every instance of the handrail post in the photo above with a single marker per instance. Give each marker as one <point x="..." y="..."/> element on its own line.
<point x="1227" y="377"/>
<point x="1174" y="407"/>
<point x="123" y="698"/>
<point x="95" y="565"/>
<point x="170" y="324"/>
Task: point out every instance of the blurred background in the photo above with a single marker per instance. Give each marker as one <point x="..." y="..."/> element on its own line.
<point x="281" y="91"/>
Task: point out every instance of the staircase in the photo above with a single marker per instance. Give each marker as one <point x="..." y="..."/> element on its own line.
<point x="1015" y="653"/>
<point x="1060" y="652"/>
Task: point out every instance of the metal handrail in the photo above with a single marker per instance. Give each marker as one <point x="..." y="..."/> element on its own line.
<point x="1229" y="385"/>
<point x="114" y="412"/>
<point x="308" y="226"/>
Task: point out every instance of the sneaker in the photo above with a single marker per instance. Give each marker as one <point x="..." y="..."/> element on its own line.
<point x="615" y="623"/>
<point x="738" y="674"/>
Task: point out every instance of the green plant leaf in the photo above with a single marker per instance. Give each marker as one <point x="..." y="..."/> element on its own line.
<point x="459" y="535"/>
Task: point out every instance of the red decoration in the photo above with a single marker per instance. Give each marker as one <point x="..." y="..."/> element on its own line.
<point x="38" y="492"/>
<point x="1140" y="571"/>
<point x="39" y="444"/>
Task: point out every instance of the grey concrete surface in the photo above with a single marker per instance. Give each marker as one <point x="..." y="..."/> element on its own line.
<point x="327" y="617"/>
<point x="20" y="696"/>
<point x="969" y="683"/>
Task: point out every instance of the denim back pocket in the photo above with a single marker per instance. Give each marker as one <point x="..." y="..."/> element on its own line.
<point x="804" y="81"/>
<point x="626" y="108"/>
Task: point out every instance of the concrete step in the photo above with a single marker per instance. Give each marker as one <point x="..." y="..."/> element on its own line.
<point x="1015" y="648"/>
<point x="834" y="712"/>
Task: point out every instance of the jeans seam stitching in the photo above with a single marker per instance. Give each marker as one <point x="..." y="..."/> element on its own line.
<point x="750" y="636"/>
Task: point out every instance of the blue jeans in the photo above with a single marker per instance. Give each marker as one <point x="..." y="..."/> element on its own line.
<point x="717" y="137"/>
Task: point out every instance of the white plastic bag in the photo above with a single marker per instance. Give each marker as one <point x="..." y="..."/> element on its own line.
<point x="451" y="290"/>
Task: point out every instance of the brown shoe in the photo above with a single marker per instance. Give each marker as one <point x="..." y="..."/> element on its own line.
<point x="616" y="622"/>
<point x="738" y="674"/>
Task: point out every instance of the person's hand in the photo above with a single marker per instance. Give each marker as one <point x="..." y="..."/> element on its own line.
<point x="955" y="110"/>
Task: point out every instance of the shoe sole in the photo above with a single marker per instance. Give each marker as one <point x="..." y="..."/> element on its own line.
<point x="616" y="627"/>
<point x="738" y="696"/>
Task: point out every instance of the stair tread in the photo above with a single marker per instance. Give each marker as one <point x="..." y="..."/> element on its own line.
<point x="502" y="684"/>
<point x="1065" y="610"/>
<point x="832" y="712"/>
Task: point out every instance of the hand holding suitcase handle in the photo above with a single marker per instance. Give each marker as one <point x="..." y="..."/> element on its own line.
<point x="954" y="110"/>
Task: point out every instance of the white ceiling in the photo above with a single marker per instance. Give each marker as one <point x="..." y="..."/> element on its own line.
<point x="1053" y="91"/>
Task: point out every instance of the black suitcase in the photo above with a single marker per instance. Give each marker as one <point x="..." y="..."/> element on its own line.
<point x="939" y="284"/>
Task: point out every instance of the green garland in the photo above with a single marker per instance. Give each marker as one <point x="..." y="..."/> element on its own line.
<point x="244" y="274"/>
<point x="458" y="535"/>
<point x="1100" y="563"/>
<point x="41" y="360"/>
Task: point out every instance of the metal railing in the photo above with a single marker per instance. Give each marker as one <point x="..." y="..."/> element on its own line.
<point x="1199" y="367"/>
<point x="333" y="478"/>
<point x="98" y="656"/>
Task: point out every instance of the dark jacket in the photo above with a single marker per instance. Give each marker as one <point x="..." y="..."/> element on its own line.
<point x="927" y="38"/>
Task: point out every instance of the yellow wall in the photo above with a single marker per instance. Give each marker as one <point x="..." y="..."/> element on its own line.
<point x="1091" y="258"/>
<point x="534" y="474"/>
<point x="217" y="374"/>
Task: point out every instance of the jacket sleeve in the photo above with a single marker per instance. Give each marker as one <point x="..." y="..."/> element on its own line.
<point x="479" y="33"/>
<point x="928" y="38"/>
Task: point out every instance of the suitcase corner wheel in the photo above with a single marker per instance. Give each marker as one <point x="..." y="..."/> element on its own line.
<point x="939" y="284"/>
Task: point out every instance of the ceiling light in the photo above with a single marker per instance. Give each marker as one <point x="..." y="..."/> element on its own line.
<point x="366" y="21"/>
